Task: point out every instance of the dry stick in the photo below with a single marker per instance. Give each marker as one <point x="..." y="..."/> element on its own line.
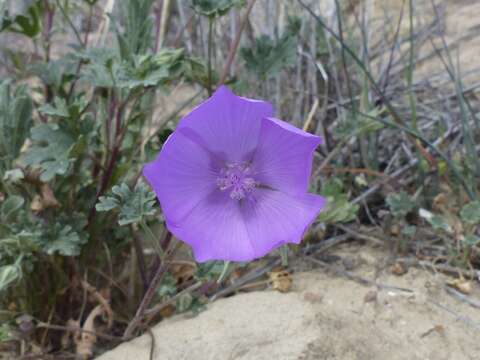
<point x="443" y="268"/>
<point x="462" y="297"/>
<point x="236" y="42"/>
<point x="386" y="75"/>
<point x="463" y="318"/>
<point x="357" y="278"/>
<point x="311" y="114"/>
<point x="101" y="300"/>
<point x="166" y="6"/>
<point x="256" y="273"/>
<point x="396" y="117"/>
<point x="360" y="236"/>
<point x="41" y="324"/>
<point x="147" y="298"/>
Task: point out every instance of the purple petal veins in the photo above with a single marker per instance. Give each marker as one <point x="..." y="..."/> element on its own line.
<point x="232" y="180"/>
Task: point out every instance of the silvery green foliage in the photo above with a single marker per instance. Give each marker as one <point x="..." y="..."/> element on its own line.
<point x="215" y="8"/>
<point x="9" y="274"/>
<point x="15" y="121"/>
<point x="85" y="117"/>
<point x="50" y="150"/>
<point x="132" y="206"/>
<point x="136" y="37"/>
<point x="268" y="56"/>
<point x="28" y="22"/>
<point x="470" y="213"/>
<point x="338" y="208"/>
<point x="62" y="239"/>
<point x="400" y="204"/>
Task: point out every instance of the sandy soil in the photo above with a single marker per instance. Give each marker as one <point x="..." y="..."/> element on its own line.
<point x="327" y="316"/>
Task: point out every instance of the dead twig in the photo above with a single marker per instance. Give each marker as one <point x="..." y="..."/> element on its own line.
<point x="462" y="297"/>
<point x="147" y="298"/>
<point x="101" y="300"/>
<point x="355" y="277"/>
<point x="234" y="47"/>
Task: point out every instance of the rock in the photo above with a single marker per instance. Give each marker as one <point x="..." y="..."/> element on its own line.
<point x="323" y="316"/>
<point x="259" y="325"/>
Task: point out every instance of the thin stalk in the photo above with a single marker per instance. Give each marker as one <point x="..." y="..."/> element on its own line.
<point x="410" y="69"/>
<point x="391" y="109"/>
<point x="150" y="293"/>
<point x="234" y="47"/>
<point x="210" y="48"/>
<point x="70" y="23"/>
<point x="154" y="239"/>
<point x="432" y="146"/>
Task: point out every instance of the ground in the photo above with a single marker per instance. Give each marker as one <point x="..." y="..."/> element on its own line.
<point x="327" y="315"/>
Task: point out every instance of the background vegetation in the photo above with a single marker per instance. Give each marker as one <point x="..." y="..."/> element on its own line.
<point x="91" y="89"/>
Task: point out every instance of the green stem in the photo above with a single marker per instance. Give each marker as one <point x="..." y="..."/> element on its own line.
<point x="153" y="238"/>
<point x="284" y="255"/>
<point x="209" y="60"/>
<point x="226" y="266"/>
<point x="70" y="23"/>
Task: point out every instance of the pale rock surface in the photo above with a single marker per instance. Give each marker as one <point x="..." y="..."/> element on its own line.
<point x="325" y="317"/>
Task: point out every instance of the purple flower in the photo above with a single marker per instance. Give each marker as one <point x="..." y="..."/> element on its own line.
<point x="232" y="180"/>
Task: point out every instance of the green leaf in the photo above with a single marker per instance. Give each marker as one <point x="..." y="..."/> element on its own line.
<point x="29" y="24"/>
<point x="9" y="274"/>
<point x="214" y="8"/>
<point x="409" y="230"/>
<point x="360" y="124"/>
<point x="13" y="176"/>
<point x="50" y="150"/>
<point x="470" y="212"/>
<point x="168" y="287"/>
<point x="133" y="206"/>
<point x="338" y="208"/>
<point x="6" y="333"/>
<point x="209" y="270"/>
<point x="60" y="109"/>
<point x="105" y="69"/>
<point x="151" y="70"/>
<point x="135" y="36"/>
<point x="438" y="222"/>
<point x="10" y="207"/>
<point x="268" y="57"/>
<point x="400" y="204"/>
<point x="472" y="240"/>
<point x="15" y="121"/>
<point x="62" y="239"/>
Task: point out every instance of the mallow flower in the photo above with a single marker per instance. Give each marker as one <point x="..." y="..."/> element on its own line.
<point x="232" y="180"/>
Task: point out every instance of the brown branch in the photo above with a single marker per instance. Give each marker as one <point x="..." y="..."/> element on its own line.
<point x="234" y="47"/>
<point x="148" y="297"/>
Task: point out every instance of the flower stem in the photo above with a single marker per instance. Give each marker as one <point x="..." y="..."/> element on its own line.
<point x="150" y="293"/>
<point x="226" y="266"/>
<point x="209" y="59"/>
<point x="153" y="238"/>
<point x="284" y="255"/>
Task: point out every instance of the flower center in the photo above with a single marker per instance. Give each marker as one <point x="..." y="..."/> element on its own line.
<point x="236" y="178"/>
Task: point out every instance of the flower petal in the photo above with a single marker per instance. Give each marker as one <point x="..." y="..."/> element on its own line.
<point x="219" y="228"/>
<point x="182" y="175"/>
<point x="283" y="158"/>
<point x="216" y="230"/>
<point x="274" y="218"/>
<point x="227" y="124"/>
